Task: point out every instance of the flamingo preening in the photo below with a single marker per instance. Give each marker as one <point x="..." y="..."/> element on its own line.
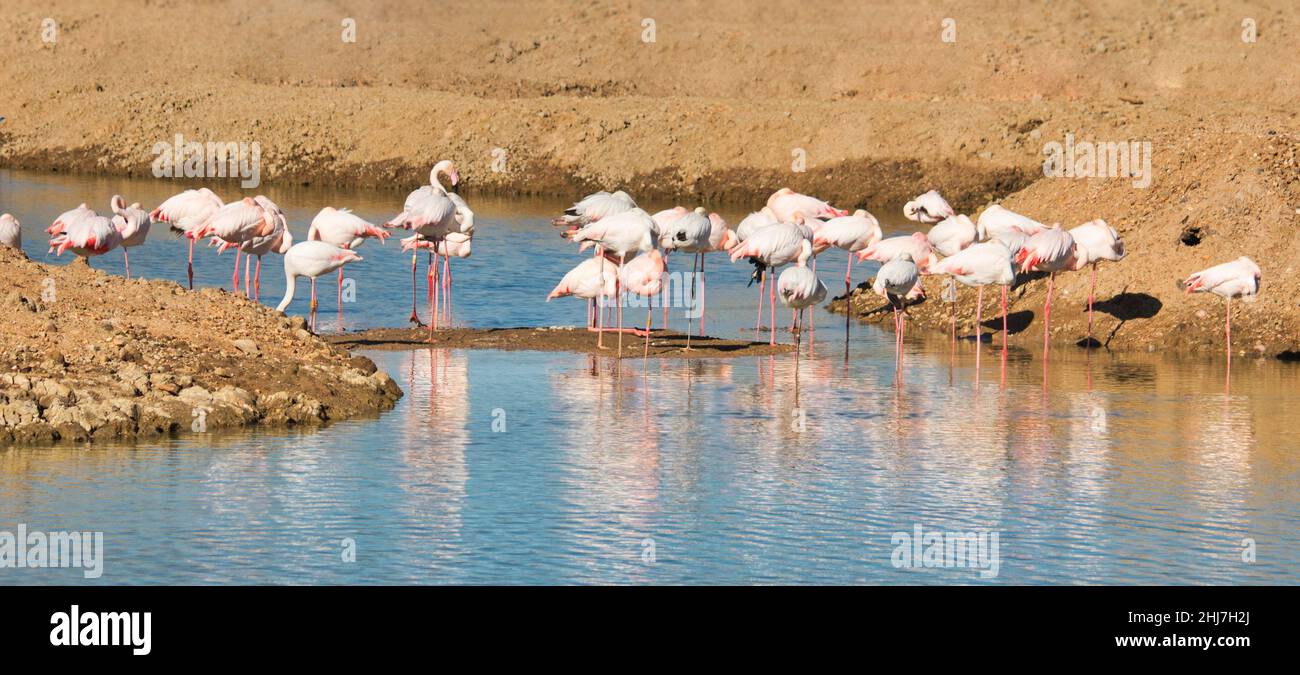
<point x="431" y="214"/>
<point x="184" y="212"/>
<point x="11" y="232"/>
<point x="643" y="277"/>
<point x="1237" y="279"/>
<point x="1050" y="251"/>
<point x="784" y="203"/>
<point x="133" y="224"/>
<point x="800" y="289"/>
<point x="87" y="236"/>
<point x="689" y="232"/>
<point x="894" y="281"/>
<point x="619" y="236"/>
<point x="930" y="207"/>
<point x="237" y="223"/>
<point x="593" y="280"/>
<point x="1095" y="241"/>
<point x="312" y="259"/>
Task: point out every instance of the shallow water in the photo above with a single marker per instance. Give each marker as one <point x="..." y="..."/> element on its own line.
<point x="1101" y="469"/>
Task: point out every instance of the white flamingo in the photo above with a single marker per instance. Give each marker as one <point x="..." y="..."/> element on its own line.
<point x="343" y="229"/>
<point x="850" y="233"/>
<point x="928" y="208"/>
<point x="1050" y="251"/>
<point x="312" y="259"/>
<point x="187" y="211"/>
<point x="133" y="224"/>
<point x="429" y="212"/>
<point x="11" y="232"/>
<point x="1095" y="241"/>
<point x="894" y="282"/>
<point x="1237" y="279"/>
<point x="769" y="248"/>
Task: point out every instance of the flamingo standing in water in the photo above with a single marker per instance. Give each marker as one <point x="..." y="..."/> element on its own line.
<point x="1237" y="279"/>
<point x="894" y="281"/>
<point x="928" y="208"/>
<point x="11" y="232"/>
<point x="690" y="232"/>
<point x="312" y="259"/>
<point x="133" y="224"/>
<point x="619" y="236"/>
<point x="1095" y="241"/>
<point x="278" y="240"/>
<point x="784" y="203"/>
<point x="187" y="211"/>
<point x="1050" y="251"/>
<point x="643" y="276"/>
<point x="949" y="237"/>
<point x="236" y="223"/>
<point x="770" y="248"/>
<point x="850" y="233"/>
<point x="343" y="229"/>
<point x="431" y="214"/>
<point x="593" y="207"/>
<point x="982" y="265"/>
<point x="593" y="280"/>
<point x="745" y="229"/>
<point x="800" y="289"/>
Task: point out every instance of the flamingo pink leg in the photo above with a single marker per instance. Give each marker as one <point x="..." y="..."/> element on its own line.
<point x="234" y="278"/>
<point x="415" y="318"/>
<point x="1227" y="330"/>
<point x="771" y="312"/>
<point x="248" y="293"/>
<point x="1004" y="335"/>
<point x="257" y="281"/>
<point x="313" y="304"/>
<point x="340" y="291"/>
<point x="1047" y="313"/>
<point x="702" y="295"/>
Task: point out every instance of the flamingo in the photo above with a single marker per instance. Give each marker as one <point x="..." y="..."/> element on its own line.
<point x="1051" y="251"/>
<point x="784" y="203"/>
<point x="620" y="235"/>
<point x="850" y="233"/>
<point x="928" y="208"/>
<point x="915" y="245"/>
<point x="592" y="279"/>
<point x="133" y="223"/>
<point x="643" y="276"/>
<point x="68" y="218"/>
<point x="981" y="265"/>
<point x="894" y="281"/>
<point x="1237" y="279"/>
<point x="997" y="222"/>
<point x="745" y="229"/>
<point x="187" y="211"/>
<point x="948" y="237"/>
<point x="343" y="229"/>
<point x="234" y="224"/>
<point x="312" y="259"/>
<point x="89" y="236"/>
<point x="771" y="247"/>
<point x="721" y="239"/>
<point x="1094" y="242"/>
<point x="690" y="232"/>
<point x="464" y="227"/>
<point x="593" y="207"/>
<point x="11" y="232"/>
<point x="799" y="289"/>
<point x="431" y="214"/>
<point x="279" y="240"/>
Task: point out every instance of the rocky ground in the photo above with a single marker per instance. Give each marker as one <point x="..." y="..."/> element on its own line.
<point x="89" y="356"/>
<point x="864" y="104"/>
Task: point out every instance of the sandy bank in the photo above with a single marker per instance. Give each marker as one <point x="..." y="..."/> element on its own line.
<point x="88" y="356"/>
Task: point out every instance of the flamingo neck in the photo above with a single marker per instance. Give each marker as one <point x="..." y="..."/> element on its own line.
<point x="290" y="284"/>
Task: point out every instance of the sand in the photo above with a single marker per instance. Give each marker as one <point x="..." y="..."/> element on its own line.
<point x="565" y="96"/>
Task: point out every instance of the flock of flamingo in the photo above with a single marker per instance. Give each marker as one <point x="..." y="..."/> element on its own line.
<point x="632" y="248"/>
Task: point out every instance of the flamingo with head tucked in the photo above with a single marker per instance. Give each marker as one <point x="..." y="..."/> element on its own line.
<point x="689" y="232"/>
<point x="620" y="237"/>
<point x="11" y="232"/>
<point x="593" y="207"/>
<point x="786" y="202"/>
<point x="312" y="259"/>
<point x="770" y="248"/>
<point x="930" y="207"/>
<point x="88" y="236"/>
<point x="998" y="222"/>
<point x="894" y="282"/>
<point x="1050" y="251"/>
<point x="799" y="289"/>
<point x="1237" y="279"/>
<point x="187" y="211"/>
<point x="643" y="276"/>
<point x="593" y="280"/>
<point x="1095" y="241"/>
<point x="236" y="223"/>
<point x="850" y="233"/>
<point x="981" y="265"/>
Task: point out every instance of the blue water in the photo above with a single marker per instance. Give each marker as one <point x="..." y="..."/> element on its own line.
<point x="531" y="467"/>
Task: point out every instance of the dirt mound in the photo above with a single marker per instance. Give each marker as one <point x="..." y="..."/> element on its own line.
<point x="663" y="344"/>
<point x="88" y="356"/>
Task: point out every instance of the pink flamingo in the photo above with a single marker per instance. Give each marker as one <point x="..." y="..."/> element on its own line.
<point x="1095" y="241"/>
<point x="618" y="236"/>
<point x="312" y="259"/>
<point x="799" y="289"/>
<point x="68" y="218"/>
<point x="343" y="229"/>
<point x="278" y="240"/>
<point x="721" y="239"/>
<point x="784" y="203"/>
<point x="431" y="214"/>
<point x="234" y="224"/>
<point x="894" y="282"/>
<point x="745" y="229"/>
<point x="915" y="245"/>
<point x="1051" y="251"/>
<point x="982" y="265"/>
<point x="850" y="233"/>
<point x="643" y="276"/>
<point x="133" y="223"/>
<point x="88" y="236"/>
<point x="11" y="232"/>
<point x="187" y="211"/>
<point x="593" y="280"/>
<point x="928" y="208"/>
<point x="593" y="207"/>
<point x="1237" y="279"/>
<point x="771" y="247"/>
<point x="997" y="222"/>
<point x="690" y="232"/>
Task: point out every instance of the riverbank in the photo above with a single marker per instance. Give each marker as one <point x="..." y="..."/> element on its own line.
<point x="87" y="356"/>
